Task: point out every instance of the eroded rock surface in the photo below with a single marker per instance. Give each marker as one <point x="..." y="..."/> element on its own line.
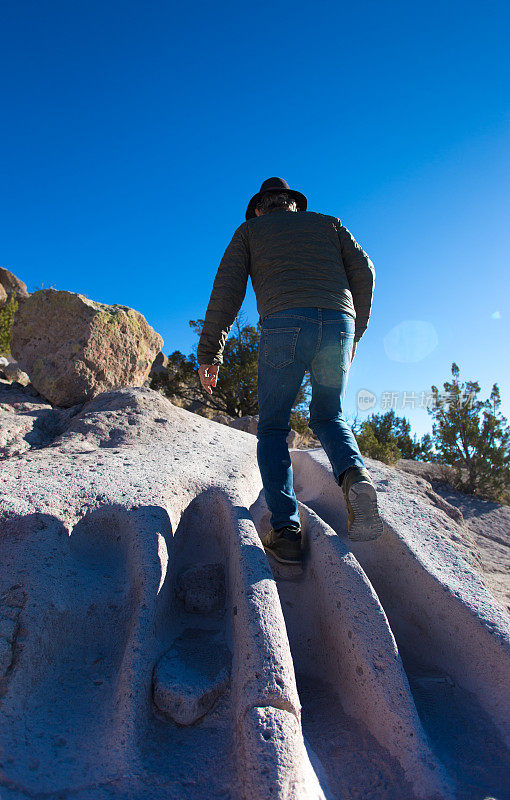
<point x="27" y="421"/>
<point x="120" y="519"/>
<point x="202" y="588"/>
<point x="74" y="348"/>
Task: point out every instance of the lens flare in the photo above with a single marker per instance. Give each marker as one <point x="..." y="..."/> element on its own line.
<point x="410" y="341"/>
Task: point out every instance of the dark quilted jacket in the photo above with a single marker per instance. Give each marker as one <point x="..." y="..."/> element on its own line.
<point x="294" y="259"/>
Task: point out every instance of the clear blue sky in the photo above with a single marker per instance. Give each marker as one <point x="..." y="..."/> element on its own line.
<point x="134" y="134"/>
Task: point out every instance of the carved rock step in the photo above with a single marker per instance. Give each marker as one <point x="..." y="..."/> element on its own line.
<point x="189" y="678"/>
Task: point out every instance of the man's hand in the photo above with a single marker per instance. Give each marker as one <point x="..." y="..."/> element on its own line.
<point x="208" y="376"/>
<point x="353" y="351"/>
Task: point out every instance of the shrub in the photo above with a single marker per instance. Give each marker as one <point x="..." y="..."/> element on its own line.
<point x="387" y="437"/>
<point x="6" y="321"/>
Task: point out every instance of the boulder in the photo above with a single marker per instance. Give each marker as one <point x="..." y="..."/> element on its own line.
<point x="74" y="348"/>
<point x="247" y="423"/>
<point x="159" y="364"/>
<point x="5" y="360"/>
<point x="12" y="285"/>
<point x="3" y="296"/>
<point x="222" y="419"/>
<point x="14" y="374"/>
<point x="294" y="439"/>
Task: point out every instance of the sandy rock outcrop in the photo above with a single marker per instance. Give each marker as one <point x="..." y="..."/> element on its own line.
<point x="3" y="296"/>
<point x="74" y="348"/>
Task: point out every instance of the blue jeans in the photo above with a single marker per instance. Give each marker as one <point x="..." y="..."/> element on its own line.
<point x="292" y="341"/>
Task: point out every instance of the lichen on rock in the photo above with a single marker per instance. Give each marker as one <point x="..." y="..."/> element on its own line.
<point x="74" y="348"/>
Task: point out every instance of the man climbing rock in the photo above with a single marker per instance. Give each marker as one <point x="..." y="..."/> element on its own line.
<point x="314" y="285"/>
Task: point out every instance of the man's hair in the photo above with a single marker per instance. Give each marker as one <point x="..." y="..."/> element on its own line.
<point x="273" y="201"/>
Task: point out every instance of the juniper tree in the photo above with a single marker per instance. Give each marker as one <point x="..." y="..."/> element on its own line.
<point x="472" y="435"/>
<point x="387" y="437"/>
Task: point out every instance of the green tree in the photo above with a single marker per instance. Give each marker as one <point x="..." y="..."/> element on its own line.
<point x="426" y="448"/>
<point x="386" y="451"/>
<point x="387" y="437"/>
<point x="472" y="435"/>
<point x="300" y="416"/>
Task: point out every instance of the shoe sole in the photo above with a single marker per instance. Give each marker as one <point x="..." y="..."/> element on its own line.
<point x="295" y="563"/>
<point x="367" y="523"/>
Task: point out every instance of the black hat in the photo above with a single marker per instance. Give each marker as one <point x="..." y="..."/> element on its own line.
<point x="275" y="185"/>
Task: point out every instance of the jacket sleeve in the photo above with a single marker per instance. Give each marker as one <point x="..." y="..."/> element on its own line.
<point x="226" y="299"/>
<point x="361" y="276"/>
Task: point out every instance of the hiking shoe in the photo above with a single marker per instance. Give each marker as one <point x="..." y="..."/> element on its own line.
<point x="364" y="522"/>
<point x="284" y="545"/>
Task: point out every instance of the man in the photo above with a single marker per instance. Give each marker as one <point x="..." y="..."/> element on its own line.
<point x="314" y="285"/>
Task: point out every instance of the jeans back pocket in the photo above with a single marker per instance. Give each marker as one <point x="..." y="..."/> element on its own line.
<point x="278" y="346"/>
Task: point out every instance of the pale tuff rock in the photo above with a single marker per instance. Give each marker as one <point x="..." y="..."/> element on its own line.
<point x="132" y="527"/>
<point x="3" y="296"/>
<point x="274" y="743"/>
<point x="74" y="348"/>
